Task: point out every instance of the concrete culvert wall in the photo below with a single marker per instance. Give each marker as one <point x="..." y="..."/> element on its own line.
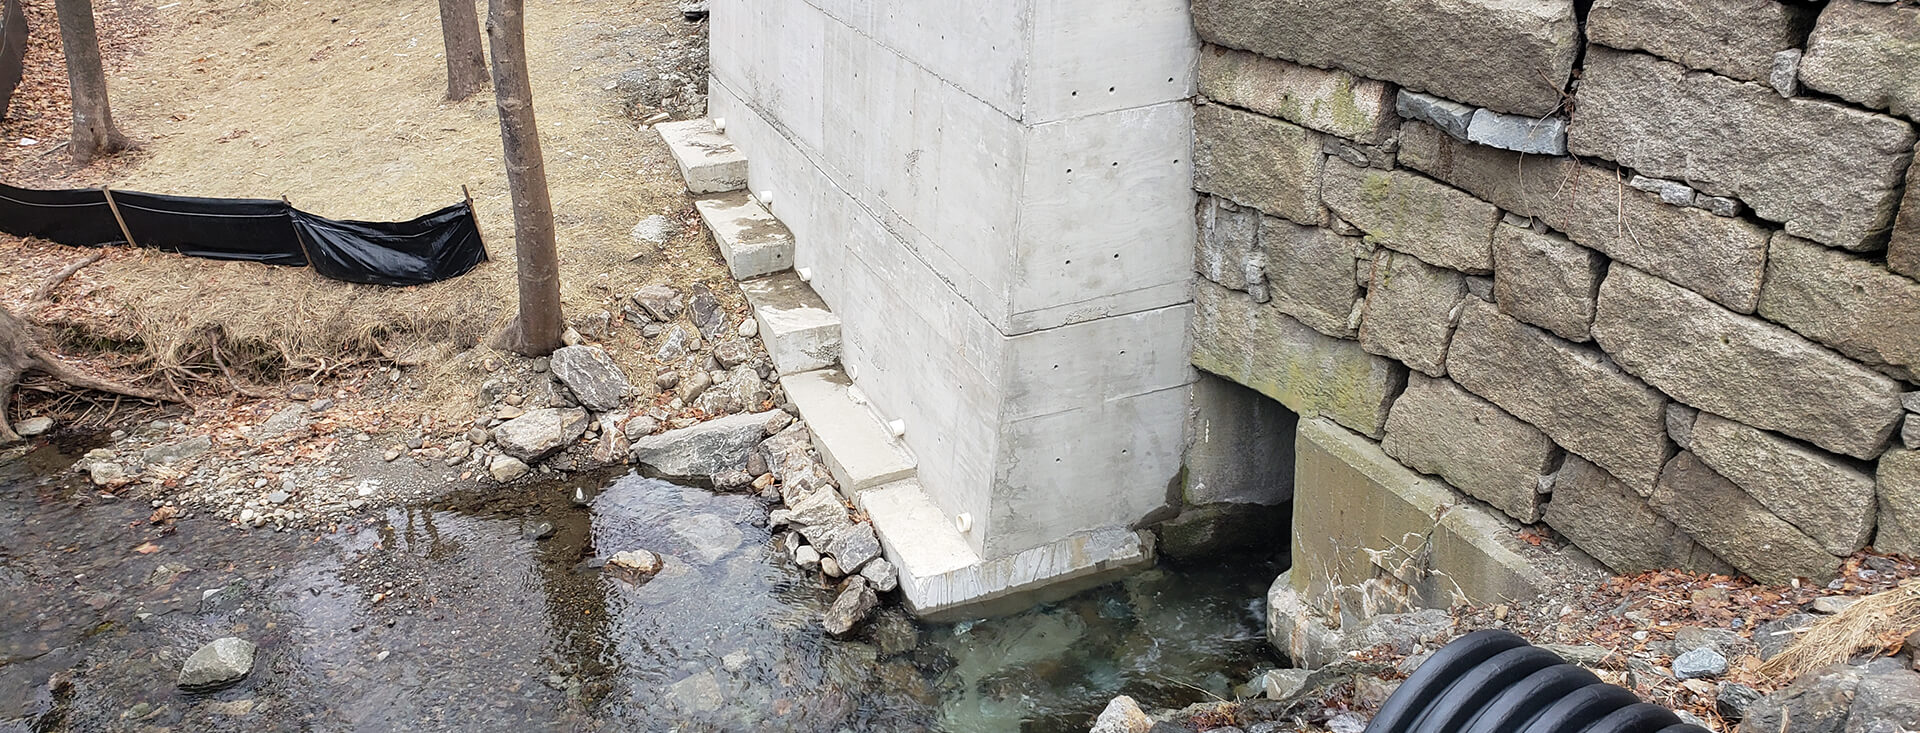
<point x="1630" y="285"/>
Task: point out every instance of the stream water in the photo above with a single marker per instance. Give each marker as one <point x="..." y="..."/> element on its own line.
<point x="452" y="616"/>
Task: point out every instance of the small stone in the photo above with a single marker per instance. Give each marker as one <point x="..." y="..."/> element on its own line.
<point x="507" y="468"/>
<point x="592" y="376"/>
<point x="851" y="607"/>
<point x="1541" y="136"/>
<point x="33" y="427"/>
<point x="1280" y="684"/>
<point x="881" y="574"/>
<point x="655" y="229"/>
<point x="693" y="386"/>
<point x="394" y="454"/>
<point x="1785" y="75"/>
<point x="1703" y="662"/>
<point x="651" y="331"/>
<point x="1732" y="700"/>
<point x="645" y="562"/>
<point x="831" y="567"/>
<point x="104" y="473"/>
<point x="538" y="531"/>
<point x="732" y="481"/>
<point x="749" y="328"/>
<point x="1832" y="604"/>
<point x="278" y="497"/>
<point x="807" y="558"/>
<point x="640" y="427"/>
<point x="1717" y="205"/>
<point x="852" y="546"/>
<point x="1451" y="117"/>
<point x="217" y="665"/>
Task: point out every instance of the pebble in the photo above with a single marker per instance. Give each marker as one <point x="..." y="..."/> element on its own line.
<point x="1833" y="604"/>
<point x="749" y="327"/>
<point x="807" y="558"/>
<point x="1703" y="662"/>
<point x="831" y="567"/>
<point x="278" y="497"/>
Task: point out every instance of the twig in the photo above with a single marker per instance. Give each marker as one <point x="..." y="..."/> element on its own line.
<point x="45" y="290"/>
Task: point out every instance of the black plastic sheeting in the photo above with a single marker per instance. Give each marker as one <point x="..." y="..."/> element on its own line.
<point x="399" y="253"/>
<point x="441" y="245"/>
<point x="1494" y="682"/>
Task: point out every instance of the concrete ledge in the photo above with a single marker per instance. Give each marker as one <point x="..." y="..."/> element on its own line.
<point x="1358" y="514"/>
<point x="856" y="445"/>
<point x="751" y="240"/>
<point x="943" y="580"/>
<point x="800" y="332"/>
<point x="708" y="160"/>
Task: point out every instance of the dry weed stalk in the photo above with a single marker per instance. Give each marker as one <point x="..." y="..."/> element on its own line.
<point x="1879" y="622"/>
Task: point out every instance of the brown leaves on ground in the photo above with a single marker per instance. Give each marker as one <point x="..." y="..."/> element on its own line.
<point x="41" y="110"/>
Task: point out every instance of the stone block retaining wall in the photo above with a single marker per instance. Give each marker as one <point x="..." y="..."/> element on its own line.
<point x="1649" y="277"/>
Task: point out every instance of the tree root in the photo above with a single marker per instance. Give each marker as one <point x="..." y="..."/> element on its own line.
<point x="21" y="355"/>
<point x="45" y="290"/>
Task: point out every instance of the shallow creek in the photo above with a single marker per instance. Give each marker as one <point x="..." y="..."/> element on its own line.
<point x="451" y="616"/>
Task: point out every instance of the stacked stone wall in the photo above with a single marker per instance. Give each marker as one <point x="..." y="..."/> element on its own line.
<point x="1646" y="273"/>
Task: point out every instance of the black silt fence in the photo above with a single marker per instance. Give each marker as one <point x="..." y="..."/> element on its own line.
<point x="439" y="246"/>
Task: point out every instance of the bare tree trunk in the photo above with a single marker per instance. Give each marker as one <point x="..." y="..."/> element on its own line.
<point x="537" y="331"/>
<point x="93" y="131"/>
<point x="19" y="355"/>
<point x="466" y="65"/>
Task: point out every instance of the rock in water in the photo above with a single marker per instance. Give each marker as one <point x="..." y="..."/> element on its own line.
<point x="1122" y="715"/>
<point x="639" y="562"/>
<point x="700" y="451"/>
<point x="540" y="433"/>
<point x="592" y="376"/>
<point x="217" y="665"/>
<point x="856" y="600"/>
<point x="710" y="536"/>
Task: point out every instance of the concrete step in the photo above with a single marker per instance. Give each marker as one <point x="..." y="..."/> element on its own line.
<point x="800" y="332"/>
<point x="944" y="580"/>
<point x="752" y="241"/>
<point x="857" y="446"/>
<point x="708" y="160"/>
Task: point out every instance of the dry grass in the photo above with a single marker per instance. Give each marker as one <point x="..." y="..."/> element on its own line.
<point x="1878" y="623"/>
<point x="337" y="107"/>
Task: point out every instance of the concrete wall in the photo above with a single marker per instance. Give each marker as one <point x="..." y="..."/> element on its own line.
<point x="996" y="199"/>
<point x="1679" y="327"/>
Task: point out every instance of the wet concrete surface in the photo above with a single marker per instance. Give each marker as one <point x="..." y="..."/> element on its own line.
<point x="486" y="610"/>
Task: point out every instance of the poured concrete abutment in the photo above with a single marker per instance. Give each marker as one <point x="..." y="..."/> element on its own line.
<point x="995" y="198"/>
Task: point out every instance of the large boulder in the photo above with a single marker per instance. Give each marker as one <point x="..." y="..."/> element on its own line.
<point x="592" y="376"/>
<point x="540" y="433"/>
<point x="699" y="451"/>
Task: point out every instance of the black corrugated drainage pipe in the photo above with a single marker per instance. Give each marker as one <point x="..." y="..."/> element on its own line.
<point x="1495" y="682"/>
